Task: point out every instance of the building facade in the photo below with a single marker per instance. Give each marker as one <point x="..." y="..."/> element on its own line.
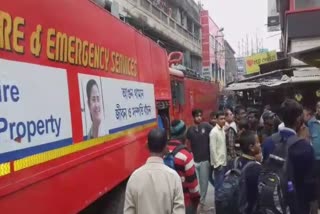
<point x="173" y="24"/>
<point x="213" y="51"/>
<point x="230" y="63"/>
<point x="295" y="74"/>
<point x="299" y="27"/>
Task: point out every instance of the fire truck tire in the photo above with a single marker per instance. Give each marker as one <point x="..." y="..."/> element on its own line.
<point x="115" y="200"/>
<point x="110" y="203"/>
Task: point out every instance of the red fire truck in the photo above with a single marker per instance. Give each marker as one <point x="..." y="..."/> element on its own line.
<point x="79" y="91"/>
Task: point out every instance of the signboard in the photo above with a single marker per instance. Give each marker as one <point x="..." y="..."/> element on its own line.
<point x="35" y="109"/>
<point x="253" y="62"/>
<point x="263" y="50"/>
<point x="206" y="72"/>
<point x="240" y="61"/>
<point x="112" y="105"/>
<point x="273" y="16"/>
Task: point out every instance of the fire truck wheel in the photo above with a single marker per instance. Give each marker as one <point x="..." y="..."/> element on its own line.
<point x="115" y="200"/>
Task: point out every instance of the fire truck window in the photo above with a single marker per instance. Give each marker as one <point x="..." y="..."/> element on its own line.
<point x="174" y="92"/>
<point x="306" y="4"/>
<point x="181" y="97"/>
<point x="177" y="90"/>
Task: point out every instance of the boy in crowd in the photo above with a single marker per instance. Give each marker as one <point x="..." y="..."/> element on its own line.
<point x="231" y="134"/>
<point x="265" y="109"/>
<point x="198" y="138"/>
<point x="213" y="119"/>
<point x="301" y="154"/>
<point x="184" y="165"/>
<point x="253" y="119"/>
<point x="240" y="113"/>
<point x="268" y="118"/>
<point x="218" y="150"/>
<point x="250" y="147"/>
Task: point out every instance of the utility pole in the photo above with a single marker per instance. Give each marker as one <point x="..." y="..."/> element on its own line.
<point x="247" y="45"/>
<point x="243" y="47"/>
<point x="252" y="50"/>
<point x="257" y="43"/>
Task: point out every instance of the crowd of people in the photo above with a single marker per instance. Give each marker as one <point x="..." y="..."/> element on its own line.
<point x="258" y="163"/>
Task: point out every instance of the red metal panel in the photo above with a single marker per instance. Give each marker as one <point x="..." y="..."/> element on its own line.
<point x="144" y="58"/>
<point x="70" y="183"/>
<point x="77" y="121"/>
<point x="303" y="10"/>
<point x="198" y="94"/>
<point x="205" y="96"/>
<point x="106" y="31"/>
<point x="160" y="72"/>
<point x="292" y="5"/>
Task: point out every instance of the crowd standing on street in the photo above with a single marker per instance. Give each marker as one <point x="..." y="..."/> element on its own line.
<point x="258" y="163"/>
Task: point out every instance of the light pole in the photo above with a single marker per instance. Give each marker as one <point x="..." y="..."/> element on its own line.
<point x="215" y="52"/>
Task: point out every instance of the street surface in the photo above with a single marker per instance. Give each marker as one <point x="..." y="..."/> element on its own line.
<point x="210" y="201"/>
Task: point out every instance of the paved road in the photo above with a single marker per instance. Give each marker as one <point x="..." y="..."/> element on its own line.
<point x="210" y="201"/>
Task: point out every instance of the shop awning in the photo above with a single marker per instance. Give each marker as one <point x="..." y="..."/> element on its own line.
<point x="309" y="56"/>
<point x="270" y="83"/>
<point x="301" y="75"/>
<point x="242" y="86"/>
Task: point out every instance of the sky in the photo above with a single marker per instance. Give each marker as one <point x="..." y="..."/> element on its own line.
<point x="240" y="18"/>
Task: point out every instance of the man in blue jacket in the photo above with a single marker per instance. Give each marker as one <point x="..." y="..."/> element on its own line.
<point x="318" y="110"/>
<point x="300" y="154"/>
<point x="314" y="129"/>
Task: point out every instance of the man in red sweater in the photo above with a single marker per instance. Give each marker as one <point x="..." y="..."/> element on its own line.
<point x="184" y="165"/>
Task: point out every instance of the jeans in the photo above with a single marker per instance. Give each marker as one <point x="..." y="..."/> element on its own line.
<point x="203" y="173"/>
<point x="218" y="177"/>
<point x="211" y="176"/>
<point x="317" y="177"/>
<point x="191" y="209"/>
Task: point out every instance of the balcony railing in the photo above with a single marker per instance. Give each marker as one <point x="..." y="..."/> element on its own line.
<point x="168" y="20"/>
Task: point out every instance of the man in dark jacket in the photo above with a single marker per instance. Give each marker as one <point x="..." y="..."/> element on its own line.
<point x="318" y="110"/>
<point x="314" y="129"/>
<point x="198" y="139"/>
<point x="253" y="119"/>
<point x="300" y="154"/>
<point x="268" y="126"/>
<point x="250" y="147"/>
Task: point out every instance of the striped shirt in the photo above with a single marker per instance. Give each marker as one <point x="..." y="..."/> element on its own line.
<point x="184" y="165"/>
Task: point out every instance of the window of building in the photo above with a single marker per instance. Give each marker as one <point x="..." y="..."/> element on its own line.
<point x="196" y="32"/>
<point x="306" y="4"/>
<point x="104" y="4"/>
<point x="189" y="25"/>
